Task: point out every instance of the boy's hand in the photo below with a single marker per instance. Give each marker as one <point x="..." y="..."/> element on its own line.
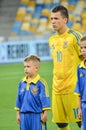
<point x="44" y="116"/>
<point x="18" y="117"/>
<point x="80" y="113"/>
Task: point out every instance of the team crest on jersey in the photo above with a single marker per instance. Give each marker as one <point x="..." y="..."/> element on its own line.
<point x="65" y="44"/>
<point x="81" y="74"/>
<point x="53" y="47"/>
<point x="22" y="90"/>
<point x="35" y="90"/>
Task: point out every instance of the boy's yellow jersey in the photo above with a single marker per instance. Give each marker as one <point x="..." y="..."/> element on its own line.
<point x="65" y="51"/>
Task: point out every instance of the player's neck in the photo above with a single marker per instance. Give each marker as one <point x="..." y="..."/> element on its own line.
<point x="31" y="77"/>
<point x="63" y="30"/>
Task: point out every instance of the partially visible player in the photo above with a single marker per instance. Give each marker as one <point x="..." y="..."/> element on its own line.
<point x="81" y="84"/>
<point x="65" y="51"/>
<point x="33" y="102"/>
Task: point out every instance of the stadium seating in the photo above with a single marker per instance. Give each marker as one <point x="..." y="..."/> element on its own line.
<point x="8" y="10"/>
<point x="32" y="16"/>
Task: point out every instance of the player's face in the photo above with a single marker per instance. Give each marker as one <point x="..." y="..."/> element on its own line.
<point x="83" y="48"/>
<point x="30" y="68"/>
<point x="58" y="21"/>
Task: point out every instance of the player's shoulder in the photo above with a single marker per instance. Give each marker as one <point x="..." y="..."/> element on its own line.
<point x="75" y="33"/>
<point x="21" y="82"/>
<point x="53" y="36"/>
<point x="45" y="85"/>
<point x="79" y="68"/>
<point x="43" y="81"/>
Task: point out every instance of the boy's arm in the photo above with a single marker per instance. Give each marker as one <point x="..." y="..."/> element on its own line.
<point x="80" y="109"/>
<point x="44" y="116"/>
<point x="18" y="116"/>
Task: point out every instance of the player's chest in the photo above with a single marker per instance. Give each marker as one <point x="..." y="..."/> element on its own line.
<point x="62" y="45"/>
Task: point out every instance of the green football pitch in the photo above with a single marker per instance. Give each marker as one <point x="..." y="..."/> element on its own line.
<point x="10" y="75"/>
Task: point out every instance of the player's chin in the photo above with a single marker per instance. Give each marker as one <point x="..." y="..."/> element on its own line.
<point x="54" y="27"/>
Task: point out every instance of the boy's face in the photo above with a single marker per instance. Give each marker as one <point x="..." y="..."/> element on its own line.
<point x="30" y="68"/>
<point x="83" y="48"/>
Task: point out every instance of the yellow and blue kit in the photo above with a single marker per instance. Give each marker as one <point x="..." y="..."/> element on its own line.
<point x="32" y="100"/>
<point x="81" y="90"/>
<point x="65" y="51"/>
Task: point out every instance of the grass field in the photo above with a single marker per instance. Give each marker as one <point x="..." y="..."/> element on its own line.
<point x="10" y="75"/>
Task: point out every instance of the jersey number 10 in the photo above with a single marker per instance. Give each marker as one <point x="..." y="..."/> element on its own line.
<point x="59" y="56"/>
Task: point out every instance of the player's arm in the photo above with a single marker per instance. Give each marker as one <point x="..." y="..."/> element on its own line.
<point x="80" y="109"/>
<point x="77" y="91"/>
<point x="18" y="116"/>
<point x="45" y="100"/>
<point x="77" y="38"/>
<point x="44" y="116"/>
<point x="18" y="101"/>
<point x="17" y="107"/>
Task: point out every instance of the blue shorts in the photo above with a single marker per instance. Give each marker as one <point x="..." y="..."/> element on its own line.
<point x="31" y="121"/>
<point x="84" y="116"/>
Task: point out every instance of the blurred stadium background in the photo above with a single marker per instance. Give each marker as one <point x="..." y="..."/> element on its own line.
<point x="25" y="26"/>
<point x="31" y="17"/>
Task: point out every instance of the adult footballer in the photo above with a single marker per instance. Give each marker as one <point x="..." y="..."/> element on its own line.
<point x="65" y="51"/>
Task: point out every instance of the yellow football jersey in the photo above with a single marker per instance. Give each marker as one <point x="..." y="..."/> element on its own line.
<point x="65" y="52"/>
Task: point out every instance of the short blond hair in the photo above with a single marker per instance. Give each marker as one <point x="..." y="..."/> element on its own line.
<point x="35" y="59"/>
<point x="83" y="39"/>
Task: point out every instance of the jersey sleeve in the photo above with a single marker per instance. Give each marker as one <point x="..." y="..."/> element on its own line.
<point x="44" y="96"/>
<point x="18" y="101"/>
<point x="77" y="88"/>
<point x="77" y="37"/>
<point x="51" y="45"/>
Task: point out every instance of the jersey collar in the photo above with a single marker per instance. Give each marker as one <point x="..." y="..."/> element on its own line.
<point x="63" y="34"/>
<point x="35" y="80"/>
<point x="82" y="64"/>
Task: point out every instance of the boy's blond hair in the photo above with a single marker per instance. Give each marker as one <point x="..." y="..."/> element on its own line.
<point x="35" y="59"/>
<point x="83" y="39"/>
